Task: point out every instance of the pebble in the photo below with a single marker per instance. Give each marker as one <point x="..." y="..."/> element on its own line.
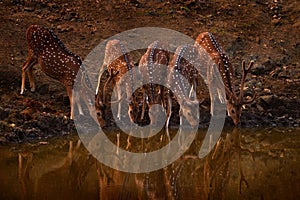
<point x="258" y="69"/>
<point x="68" y="17"/>
<point x="28" y="9"/>
<point x="3" y="113"/>
<point x="268" y="98"/>
<point x="260" y="108"/>
<point x="267" y="91"/>
<point x="276" y="21"/>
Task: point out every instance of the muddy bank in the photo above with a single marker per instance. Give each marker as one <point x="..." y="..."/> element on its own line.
<point x="265" y="31"/>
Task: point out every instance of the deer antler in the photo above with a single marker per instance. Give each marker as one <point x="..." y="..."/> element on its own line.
<point x="245" y="72"/>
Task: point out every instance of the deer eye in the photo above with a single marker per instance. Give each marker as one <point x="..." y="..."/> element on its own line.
<point x="232" y="111"/>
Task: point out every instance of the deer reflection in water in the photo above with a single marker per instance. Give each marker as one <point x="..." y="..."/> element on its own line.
<point x="36" y="173"/>
<point x="212" y="174"/>
<point x="188" y="177"/>
<point x="77" y="174"/>
<point x="216" y="169"/>
<point x="114" y="184"/>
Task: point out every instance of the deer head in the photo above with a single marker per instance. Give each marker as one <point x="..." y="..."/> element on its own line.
<point x="235" y="102"/>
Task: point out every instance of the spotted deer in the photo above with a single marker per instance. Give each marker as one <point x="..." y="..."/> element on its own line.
<point x="153" y="69"/>
<point x="182" y="63"/>
<point x="55" y="60"/>
<point x="234" y="102"/>
<point x="118" y="63"/>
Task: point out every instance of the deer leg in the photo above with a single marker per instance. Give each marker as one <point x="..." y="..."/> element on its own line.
<point x="31" y="78"/>
<point x="102" y="69"/>
<point x="180" y="117"/>
<point x="118" y="143"/>
<point x="169" y="111"/>
<point x="70" y="94"/>
<point x="70" y="152"/>
<point x="212" y="104"/>
<point x="168" y="135"/>
<point x="162" y="93"/>
<point x="20" y="159"/>
<point x="128" y="142"/>
<point x="76" y="100"/>
<point x="30" y="62"/>
<point x="23" y="174"/>
<point x="242" y="177"/>
<point x="143" y="104"/>
<point x="193" y="90"/>
<point x="211" y="95"/>
<point x="153" y="112"/>
<point x="119" y="93"/>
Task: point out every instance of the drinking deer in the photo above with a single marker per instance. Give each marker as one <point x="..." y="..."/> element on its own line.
<point x="55" y="60"/>
<point x="182" y="63"/>
<point x="234" y="102"/>
<point x="153" y="68"/>
<point x="118" y="63"/>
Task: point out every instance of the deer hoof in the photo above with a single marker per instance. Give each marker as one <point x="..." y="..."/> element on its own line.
<point x="32" y="89"/>
<point x="22" y="92"/>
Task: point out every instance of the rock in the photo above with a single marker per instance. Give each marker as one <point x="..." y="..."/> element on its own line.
<point x="265" y="66"/>
<point x="64" y="28"/>
<point x="259" y="108"/>
<point x="258" y="69"/>
<point x="27" y="113"/>
<point x="3" y="113"/>
<point x="68" y="17"/>
<point x="43" y="89"/>
<point x="28" y="9"/>
<point x="276" y="21"/>
<point x="267" y="91"/>
<point x="274" y="73"/>
<point x="2" y="140"/>
<point x="269" y="65"/>
<point x="268" y="98"/>
<point x="5" y="127"/>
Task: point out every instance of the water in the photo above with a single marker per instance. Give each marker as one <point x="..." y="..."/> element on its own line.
<point x="246" y="164"/>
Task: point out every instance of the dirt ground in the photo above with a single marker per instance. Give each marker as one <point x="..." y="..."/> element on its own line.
<point x="266" y="31"/>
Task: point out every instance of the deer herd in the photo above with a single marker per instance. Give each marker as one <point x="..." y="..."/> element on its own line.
<point x="156" y="65"/>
